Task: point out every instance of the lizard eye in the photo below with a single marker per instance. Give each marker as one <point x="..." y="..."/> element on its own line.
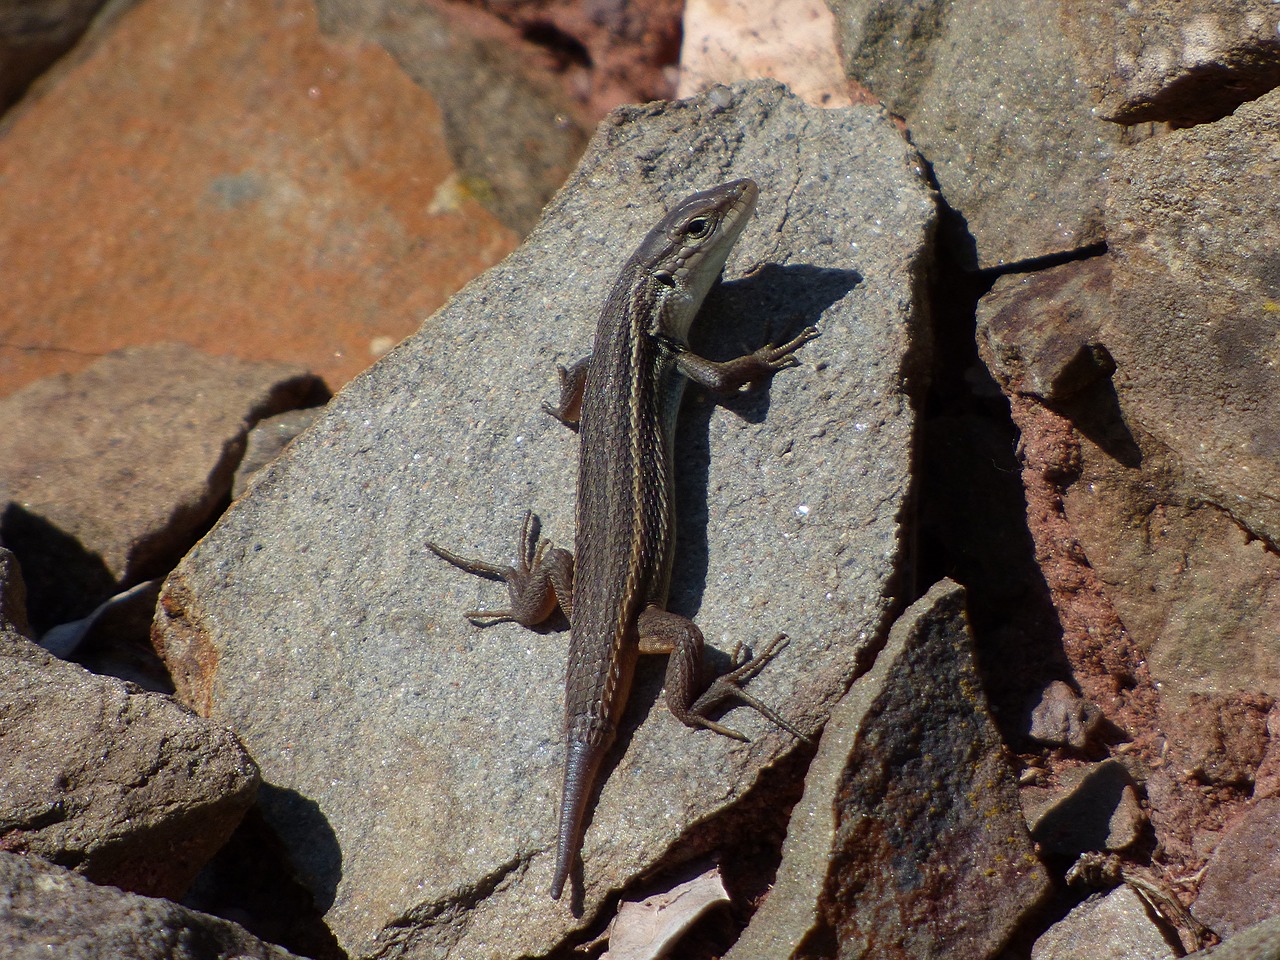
<point x="665" y="278"/>
<point x="698" y="227"/>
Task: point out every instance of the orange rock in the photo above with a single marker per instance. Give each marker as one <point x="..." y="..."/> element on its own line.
<point x="225" y="175"/>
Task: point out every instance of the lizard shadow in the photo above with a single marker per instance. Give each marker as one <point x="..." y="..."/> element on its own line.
<point x="772" y="305"/>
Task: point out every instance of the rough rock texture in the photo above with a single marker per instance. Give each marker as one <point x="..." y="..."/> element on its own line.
<point x="204" y="168"/>
<point x="1178" y="61"/>
<point x="1038" y="331"/>
<point x="1193" y="224"/>
<point x="33" y="38"/>
<point x="107" y="476"/>
<point x="46" y="911"/>
<point x="1198" y="594"/>
<point x="1219" y="740"/>
<point x="507" y="125"/>
<point x="13" y="596"/>
<point x="991" y="94"/>
<point x="1260" y="942"/>
<point x="1095" y="808"/>
<point x="1241" y="884"/>
<point x="125" y="786"/>
<point x="416" y="759"/>
<point x="265" y="442"/>
<point x="909" y="841"/>
<point x="1111" y="926"/>
<point x="1062" y="718"/>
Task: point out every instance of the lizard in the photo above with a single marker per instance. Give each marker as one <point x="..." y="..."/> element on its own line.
<point x="623" y="398"/>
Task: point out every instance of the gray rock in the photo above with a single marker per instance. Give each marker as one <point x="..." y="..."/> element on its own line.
<point x="1096" y="808"/>
<point x="265" y="441"/>
<point x="1193" y="223"/>
<point x="125" y="786"/>
<point x="1062" y="718"/>
<point x="1178" y="61"/>
<point x="1241" y="884"/>
<point x="1259" y="942"/>
<point x="46" y="911"/>
<point x="1111" y="926"/>
<point x="991" y="94"/>
<point x="108" y="475"/>
<point x="908" y="840"/>
<point x="417" y="759"/>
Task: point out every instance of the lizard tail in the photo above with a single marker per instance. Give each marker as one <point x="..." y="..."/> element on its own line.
<point x="581" y="763"/>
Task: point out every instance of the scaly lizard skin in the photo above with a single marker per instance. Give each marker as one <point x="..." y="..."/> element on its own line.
<point x="613" y="589"/>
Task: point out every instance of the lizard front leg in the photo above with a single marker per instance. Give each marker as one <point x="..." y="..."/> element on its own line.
<point x="541" y="580"/>
<point x="568" y="409"/>
<point x="662" y="631"/>
<point x="726" y="376"/>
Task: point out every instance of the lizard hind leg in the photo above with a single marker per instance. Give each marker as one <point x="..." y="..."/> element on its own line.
<point x="541" y="580"/>
<point x="664" y="632"/>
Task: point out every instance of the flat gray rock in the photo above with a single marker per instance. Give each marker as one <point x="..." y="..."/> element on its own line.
<point x="908" y="841"/>
<point x="1193" y="224"/>
<point x="992" y="96"/>
<point x="415" y="760"/>
<point x="46" y="911"/>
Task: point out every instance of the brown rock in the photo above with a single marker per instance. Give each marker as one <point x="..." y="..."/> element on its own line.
<point x="507" y="126"/>
<point x="1267" y="776"/>
<point x="1062" y="718"/>
<point x="110" y="474"/>
<point x="227" y="175"/>
<point x="1178" y="61"/>
<point x="124" y="786"/>
<point x="1200" y="595"/>
<point x="908" y="841"/>
<point x="1219" y="739"/>
<point x="13" y="596"/>
<point x="932" y="856"/>
<point x="1241" y="884"/>
<point x="1193" y="223"/>
<point x="46" y="911"/>
<point x="1038" y="332"/>
<point x="34" y="35"/>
